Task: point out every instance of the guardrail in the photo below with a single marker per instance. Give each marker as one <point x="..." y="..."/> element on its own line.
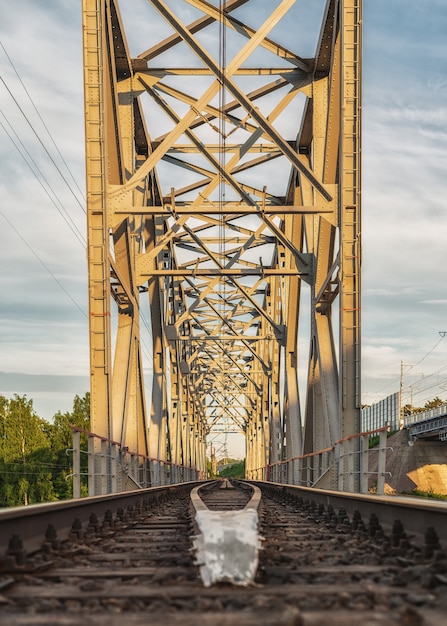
<point x="436" y="425"/>
<point x="348" y="459"/>
<point x="423" y="416"/>
<point x="112" y="468"/>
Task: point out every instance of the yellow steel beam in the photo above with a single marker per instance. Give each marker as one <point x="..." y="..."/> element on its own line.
<point x="97" y="236"/>
<point x="227" y="258"/>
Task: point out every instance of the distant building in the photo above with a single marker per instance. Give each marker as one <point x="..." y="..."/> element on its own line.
<point x="383" y="413"/>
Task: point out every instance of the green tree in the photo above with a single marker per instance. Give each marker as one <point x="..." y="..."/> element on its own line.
<point x="235" y="470"/>
<point x="433" y="404"/>
<point x="408" y="409"/>
<point x="62" y="443"/>
<point x="25" y="454"/>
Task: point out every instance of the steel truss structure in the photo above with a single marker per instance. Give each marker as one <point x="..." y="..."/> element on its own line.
<point x="223" y="182"/>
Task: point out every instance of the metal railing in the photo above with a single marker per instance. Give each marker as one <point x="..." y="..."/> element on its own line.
<point x="422" y="416"/>
<point x="112" y="468"/>
<point x="428" y="427"/>
<point x="348" y="460"/>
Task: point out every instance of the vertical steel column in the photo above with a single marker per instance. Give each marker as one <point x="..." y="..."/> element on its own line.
<point x="350" y="224"/>
<point x="157" y="427"/>
<point x="292" y="293"/>
<point x="97" y="228"/>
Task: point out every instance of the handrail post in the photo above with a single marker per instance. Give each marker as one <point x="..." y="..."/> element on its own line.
<point x="339" y="459"/>
<point x="364" y="463"/>
<point x="91" y="465"/>
<point x="381" y="467"/>
<point x="76" y="464"/>
<point x="103" y="464"/>
<point x="113" y="467"/>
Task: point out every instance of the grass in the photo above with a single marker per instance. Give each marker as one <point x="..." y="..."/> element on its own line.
<point x="432" y="495"/>
<point x="374" y="440"/>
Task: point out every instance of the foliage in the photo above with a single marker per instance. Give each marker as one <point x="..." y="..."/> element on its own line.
<point x="408" y="409"/>
<point x="227" y="461"/>
<point x="34" y="464"/>
<point x="375" y="439"/>
<point x="25" y="454"/>
<point x="235" y="470"/>
<point x="63" y="441"/>
<point x="433" y="404"/>
<point x="209" y="468"/>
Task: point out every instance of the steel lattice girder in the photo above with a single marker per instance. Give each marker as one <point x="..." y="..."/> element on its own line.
<point x="228" y="259"/>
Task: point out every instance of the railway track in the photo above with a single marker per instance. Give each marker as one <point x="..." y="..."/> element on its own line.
<point x="326" y="558"/>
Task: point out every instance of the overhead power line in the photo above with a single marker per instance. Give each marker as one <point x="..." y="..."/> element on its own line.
<point x="36" y="134"/>
<point x="42" y="121"/>
<point x="428" y="353"/>
<point x="40" y="176"/>
<point x="396" y="380"/>
<point x="55" y="200"/>
<point x="43" y="264"/>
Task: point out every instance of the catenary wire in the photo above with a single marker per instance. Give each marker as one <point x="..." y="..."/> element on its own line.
<point x="65" y="215"/>
<point x="396" y="380"/>
<point x="42" y="120"/>
<point x="43" y="264"/>
<point x="42" y="144"/>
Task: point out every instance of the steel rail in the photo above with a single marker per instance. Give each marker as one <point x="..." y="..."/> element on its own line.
<point x="416" y="514"/>
<point x="31" y="523"/>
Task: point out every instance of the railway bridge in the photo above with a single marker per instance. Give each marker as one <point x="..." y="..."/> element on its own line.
<point x="223" y="206"/>
<point x="223" y="201"/>
<point x="430" y="424"/>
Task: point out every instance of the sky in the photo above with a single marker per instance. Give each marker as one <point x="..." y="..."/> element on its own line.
<point x="43" y="276"/>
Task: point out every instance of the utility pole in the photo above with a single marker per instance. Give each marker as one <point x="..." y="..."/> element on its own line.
<point x="401" y="391"/>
